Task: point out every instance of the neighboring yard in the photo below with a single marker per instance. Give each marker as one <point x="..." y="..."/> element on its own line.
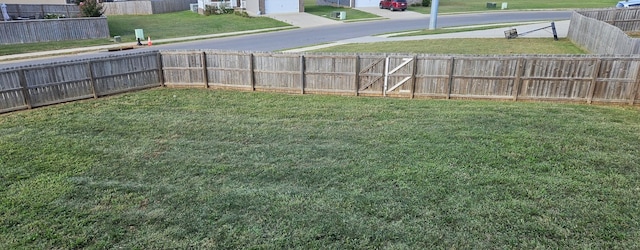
<point x="158" y="26"/>
<point x="311" y="7"/>
<point x="470" y="46"/>
<point x="194" y="168"/>
<point x="452" y="6"/>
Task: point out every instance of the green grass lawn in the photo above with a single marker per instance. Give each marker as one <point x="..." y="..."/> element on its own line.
<point x="193" y="168"/>
<point x="13" y="49"/>
<point x="185" y="23"/>
<point x="452" y="6"/>
<point x="469" y="46"/>
<point x="311" y="7"/>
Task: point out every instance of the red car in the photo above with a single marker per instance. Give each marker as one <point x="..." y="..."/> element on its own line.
<point x="393" y="4"/>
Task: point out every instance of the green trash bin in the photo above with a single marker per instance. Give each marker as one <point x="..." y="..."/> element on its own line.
<point x="139" y="34"/>
<point x="491" y="5"/>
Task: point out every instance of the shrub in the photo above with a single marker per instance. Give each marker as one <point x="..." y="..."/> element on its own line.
<point x="53" y="16"/>
<point x="215" y="10"/>
<point x="242" y="14"/>
<point x="426" y="3"/>
<point x="91" y="8"/>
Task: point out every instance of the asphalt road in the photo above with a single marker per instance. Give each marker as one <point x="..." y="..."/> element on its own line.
<point x="295" y="38"/>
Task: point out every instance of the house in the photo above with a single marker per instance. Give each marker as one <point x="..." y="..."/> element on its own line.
<point x="35" y="1"/>
<point x="256" y="7"/>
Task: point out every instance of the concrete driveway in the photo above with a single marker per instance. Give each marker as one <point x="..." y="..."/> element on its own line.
<point x="303" y="20"/>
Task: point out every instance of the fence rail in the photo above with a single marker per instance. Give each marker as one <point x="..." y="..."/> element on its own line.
<point x="587" y="79"/>
<point x="146" y="7"/>
<point x="35" y="86"/>
<point x="48" y="30"/>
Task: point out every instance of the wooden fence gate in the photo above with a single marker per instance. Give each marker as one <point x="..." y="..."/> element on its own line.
<point x="389" y="75"/>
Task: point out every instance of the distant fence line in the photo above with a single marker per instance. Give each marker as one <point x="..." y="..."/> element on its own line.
<point x="588" y="79"/>
<point x="626" y="19"/>
<point x="146" y="7"/>
<point x="48" y="30"/>
<point x="38" y="11"/>
<point x="35" y="86"/>
<point x="600" y="37"/>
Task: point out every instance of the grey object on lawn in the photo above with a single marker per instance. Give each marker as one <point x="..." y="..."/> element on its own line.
<point x="5" y="15"/>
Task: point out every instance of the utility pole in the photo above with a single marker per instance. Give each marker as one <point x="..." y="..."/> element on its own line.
<point x="434" y="14"/>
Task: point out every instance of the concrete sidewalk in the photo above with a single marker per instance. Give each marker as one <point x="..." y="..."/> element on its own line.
<point x="562" y="28"/>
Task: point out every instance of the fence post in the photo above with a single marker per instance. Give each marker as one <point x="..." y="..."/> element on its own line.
<point x="413" y="76"/>
<point x="450" y="81"/>
<point x="518" y="81"/>
<point x="205" y="74"/>
<point x="302" y="74"/>
<point x="634" y="89"/>
<point x="385" y="75"/>
<point x="356" y="83"/>
<point x="92" y="80"/>
<point x="594" y="80"/>
<point x="252" y="77"/>
<point x="25" y="89"/>
<point x="160" y="70"/>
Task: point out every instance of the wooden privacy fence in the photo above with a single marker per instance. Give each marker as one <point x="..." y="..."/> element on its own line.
<point x="38" y="11"/>
<point x="603" y="79"/>
<point x="35" y="86"/>
<point x="588" y="79"/>
<point x="146" y="7"/>
<point x="600" y="37"/>
<point x="626" y="19"/>
<point x="48" y="30"/>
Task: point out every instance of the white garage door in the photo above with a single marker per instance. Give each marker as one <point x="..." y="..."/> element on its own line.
<point x="281" y="6"/>
<point x="367" y="3"/>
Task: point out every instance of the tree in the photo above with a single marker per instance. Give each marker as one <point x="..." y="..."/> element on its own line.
<point x="90" y="8"/>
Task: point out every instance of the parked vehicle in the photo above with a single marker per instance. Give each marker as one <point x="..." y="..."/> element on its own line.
<point x="628" y="4"/>
<point x="393" y="5"/>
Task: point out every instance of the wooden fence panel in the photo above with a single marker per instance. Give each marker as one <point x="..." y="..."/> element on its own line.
<point x="146" y="7"/>
<point x="600" y="37"/>
<point x="126" y="73"/>
<point x="399" y="74"/>
<point x="371" y="75"/>
<point x="183" y="68"/>
<point x="38" y="11"/>
<point x="615" y="80"/>
<point x="277" y="72"/>
<point x="432" y="76"/>
<point x="61" y="83"/>
<point x="232" y="70"/>
<point x="128" y="8"/>
<point x="557" y="78"/>
<point x="47" y="30"/>
<point x="330" y="73"/>
<point x="626" y="19"/>
<point x="483" y="77"/>
<point x="166" y="6"/>
<point x="11" y="95"/>
<point x="40" y="85"/>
